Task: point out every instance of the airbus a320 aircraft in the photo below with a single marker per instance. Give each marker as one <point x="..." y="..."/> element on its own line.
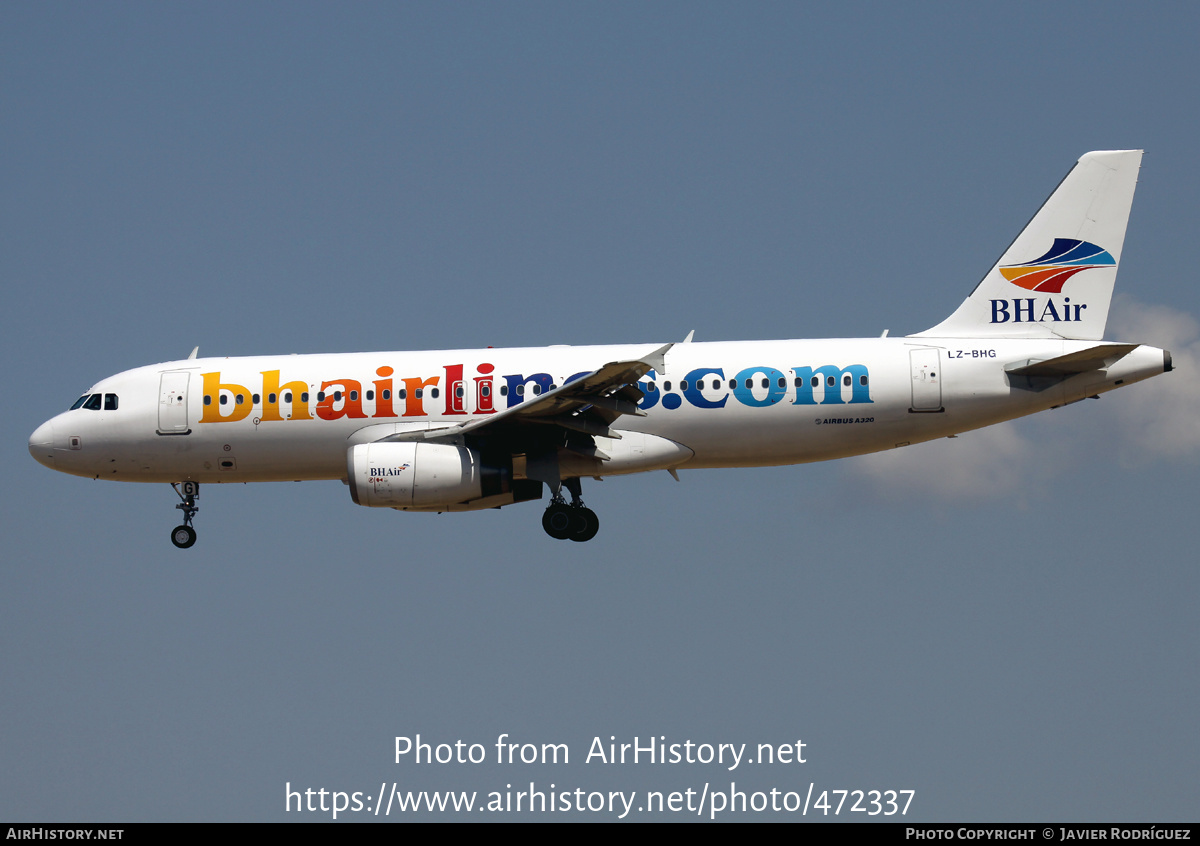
<point x="461" y="430"/>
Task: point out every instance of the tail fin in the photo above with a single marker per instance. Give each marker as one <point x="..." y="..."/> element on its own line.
<point x="1056" y="279"/>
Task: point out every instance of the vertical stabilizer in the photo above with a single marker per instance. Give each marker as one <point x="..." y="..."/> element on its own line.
<point x="1056" y="279"/>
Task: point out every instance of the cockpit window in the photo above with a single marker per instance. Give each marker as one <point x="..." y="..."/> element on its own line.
<point x="94" y="402"/>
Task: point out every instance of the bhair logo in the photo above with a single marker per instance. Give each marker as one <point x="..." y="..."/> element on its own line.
<point x="1047" y="273"/>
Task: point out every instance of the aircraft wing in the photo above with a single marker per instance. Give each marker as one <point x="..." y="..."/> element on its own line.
<point x="589" y="404"/>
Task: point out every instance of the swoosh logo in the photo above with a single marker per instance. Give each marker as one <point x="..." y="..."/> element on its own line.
<point x="1047" y="273"/>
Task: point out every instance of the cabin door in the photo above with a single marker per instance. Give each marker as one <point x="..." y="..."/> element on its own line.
<point x="172" y="403"/>
<point x="926" y="380"/>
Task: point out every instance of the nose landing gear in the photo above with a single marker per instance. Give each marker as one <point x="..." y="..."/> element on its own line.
<point x="575" y="521"/>
<point x="184" y="536"/>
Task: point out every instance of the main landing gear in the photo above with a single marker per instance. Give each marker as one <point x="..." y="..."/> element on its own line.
<point x="184" y="536"/>
<point x="575" y="521"/>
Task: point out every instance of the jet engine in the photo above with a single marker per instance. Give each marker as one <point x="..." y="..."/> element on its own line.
<point x="430" y="477"/>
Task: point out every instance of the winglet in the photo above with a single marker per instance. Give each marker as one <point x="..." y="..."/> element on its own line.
<point x="658" y="359"/>
<point x="194" y="352"/>
<point x="688" y="339"/>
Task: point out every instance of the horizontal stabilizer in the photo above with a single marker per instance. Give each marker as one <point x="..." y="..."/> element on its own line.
<point x="1093" y="358"/>
<point x="1033" y="375"/>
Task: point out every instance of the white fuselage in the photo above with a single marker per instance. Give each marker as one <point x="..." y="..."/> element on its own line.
<point x="748" y="403"/>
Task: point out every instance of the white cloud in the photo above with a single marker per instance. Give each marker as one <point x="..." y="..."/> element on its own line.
<point x="977" y="465"/>
<point x="1164" y="419"/>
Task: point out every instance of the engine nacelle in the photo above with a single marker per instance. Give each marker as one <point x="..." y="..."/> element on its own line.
<point x="422" y="476"/>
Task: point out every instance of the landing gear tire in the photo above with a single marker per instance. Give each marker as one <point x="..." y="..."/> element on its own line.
<point x="575" y="521"/>
<point x="584" y="525"/>
<point x="557" y="521"/>
<point x="183" y="536"/>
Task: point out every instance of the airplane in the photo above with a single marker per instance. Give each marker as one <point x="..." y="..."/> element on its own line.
<point x="461" y="430"/>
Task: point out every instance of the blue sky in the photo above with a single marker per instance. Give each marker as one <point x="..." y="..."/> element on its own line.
<point x="1004" y="623"/>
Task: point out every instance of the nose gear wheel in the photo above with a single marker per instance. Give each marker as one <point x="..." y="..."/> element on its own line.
<point x="184" y="536"/>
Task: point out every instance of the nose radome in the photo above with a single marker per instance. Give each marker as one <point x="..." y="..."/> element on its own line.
<point x="41" y="444"/>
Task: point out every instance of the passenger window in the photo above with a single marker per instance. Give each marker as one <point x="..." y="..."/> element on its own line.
<point x="434" y="392"/>
<point x="716" y="384"/>
<point x="79" y="402"/>
<point x="485" y="390"/>
<point x="504" y="390"/>
<point x="370" y="396"/>
<point x="782" y="382"/>
<point x="816" y="380"/>
<point x="418" y="393"/>
<point x="402" y="393"/>
<point x="830" y="381"/>
<point x="520" y="390"/>
<point x="286" y="397"/>
<point x="271" y="398"/>
<point x="766" y="383"/>
<point x="337" y="396"/>
<point x="207" y="400"/>
<point x="224" y="399"/>
<point x="683" y="384"/>
<point x="353" y="396"/>
<point x="304" y="396"/>
<point x="667" y="385"/>
<point x="255" y="398"/>
<point x="862" y="380"/>
<point x="387" y="395"/>
<point x="241" y="399"/>
<point x="320" y="396"/>
<point x="847" y="380"/>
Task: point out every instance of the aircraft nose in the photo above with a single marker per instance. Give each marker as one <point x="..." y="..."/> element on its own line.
<point x="41" y="444"/>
